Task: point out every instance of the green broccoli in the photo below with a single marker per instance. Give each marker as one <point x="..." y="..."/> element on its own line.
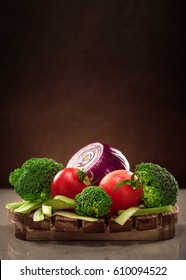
<point x="32" y="181"/>
<point x="93" y="201"/>
<point x="160" y="188"/>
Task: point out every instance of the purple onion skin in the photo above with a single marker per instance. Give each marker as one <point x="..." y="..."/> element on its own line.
<point x="110" y="160"/>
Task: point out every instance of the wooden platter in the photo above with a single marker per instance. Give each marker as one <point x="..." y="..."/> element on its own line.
<point x="58" y="228"/>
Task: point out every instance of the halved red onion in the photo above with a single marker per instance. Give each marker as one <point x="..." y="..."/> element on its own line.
<point x="98" y="159"/>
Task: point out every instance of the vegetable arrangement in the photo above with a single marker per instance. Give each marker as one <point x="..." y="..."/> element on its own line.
<point x="96" y="182"/>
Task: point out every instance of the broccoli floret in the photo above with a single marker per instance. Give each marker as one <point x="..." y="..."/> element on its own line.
<point x="32" y="181"/>
<point x="160" y="188"/>
<point x="93" y="201"/>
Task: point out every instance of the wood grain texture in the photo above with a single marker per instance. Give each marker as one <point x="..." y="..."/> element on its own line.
<point x="149" y="227"/>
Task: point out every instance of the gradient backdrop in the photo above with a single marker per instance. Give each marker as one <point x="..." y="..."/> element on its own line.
<point x="76" y="72"/>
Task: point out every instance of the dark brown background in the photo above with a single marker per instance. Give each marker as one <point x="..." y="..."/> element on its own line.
<point x="75" y="72"/>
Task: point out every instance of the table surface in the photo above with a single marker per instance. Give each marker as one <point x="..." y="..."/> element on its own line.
<point x="12" y="248"/>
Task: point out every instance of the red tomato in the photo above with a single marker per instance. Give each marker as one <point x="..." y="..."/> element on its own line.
<point x="123" y="197"/>
<point x="66" y="182"/>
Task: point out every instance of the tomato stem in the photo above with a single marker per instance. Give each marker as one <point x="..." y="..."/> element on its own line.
<point x="82" y="176"/>
<point x="134" y="182"/>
